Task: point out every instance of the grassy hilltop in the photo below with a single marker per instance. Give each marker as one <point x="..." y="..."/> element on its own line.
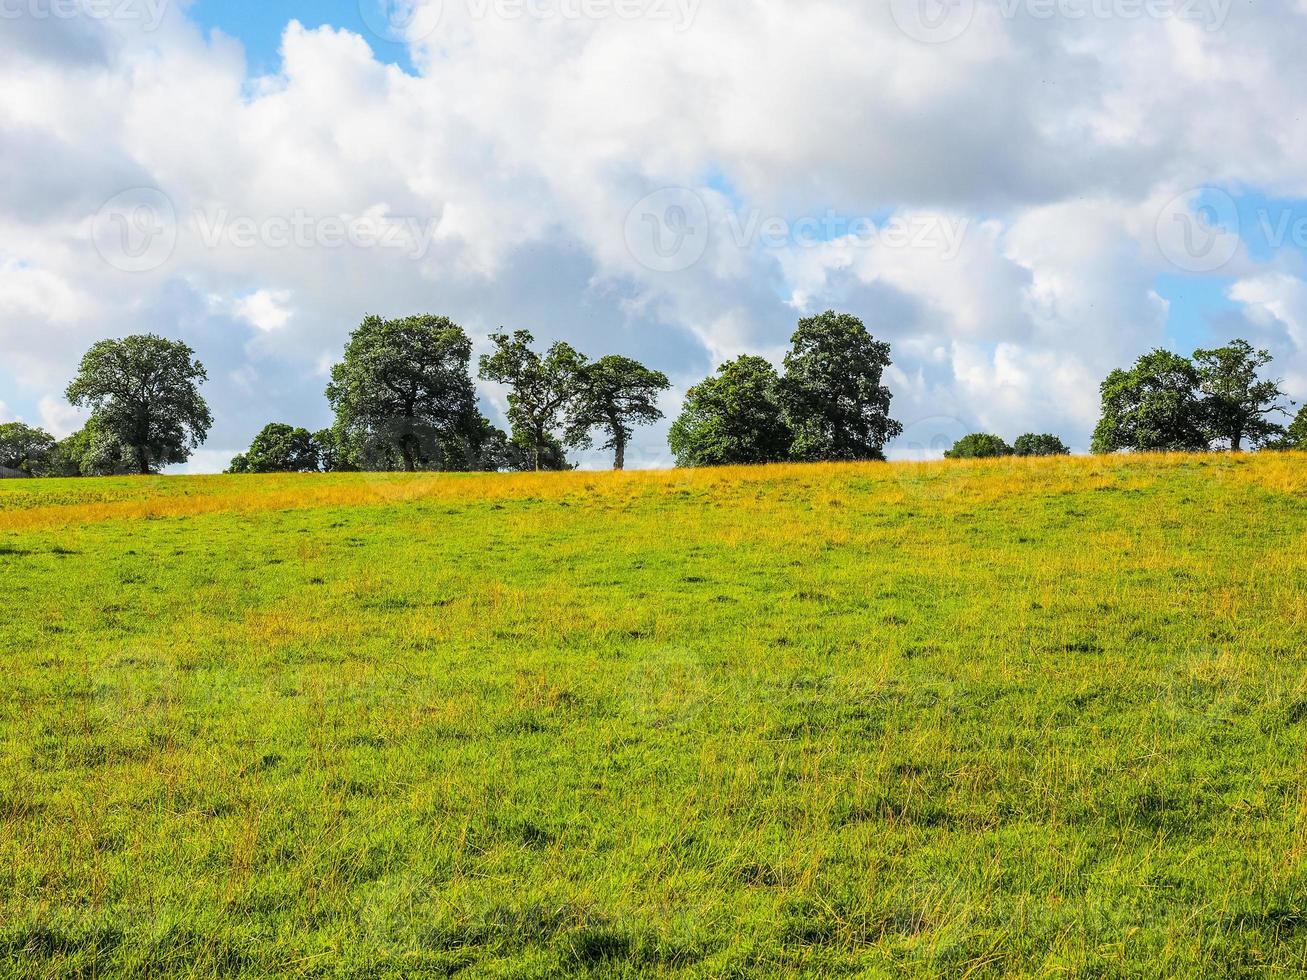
<point x="1042" y="718"/>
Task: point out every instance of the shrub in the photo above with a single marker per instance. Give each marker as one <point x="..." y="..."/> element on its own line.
<point x="978" y="445"/>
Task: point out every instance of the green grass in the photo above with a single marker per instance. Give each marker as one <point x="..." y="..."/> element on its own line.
<point x="990" y="719"/>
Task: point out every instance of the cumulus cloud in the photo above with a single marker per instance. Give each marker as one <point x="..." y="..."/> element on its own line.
<point x="59" y="418"/>
<point x="1276" y="304"/>
<point x="1054" y="163"/>
<point x="265" y="309"/>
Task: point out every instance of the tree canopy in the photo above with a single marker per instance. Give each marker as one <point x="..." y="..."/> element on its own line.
<point x="144" y="395"/>
<point x="1295" y="434"/>
<point x="832" y="396"/>
<point x="25" y="448"/>
<point x="1169" y="403"/>
<point x="403" y="396"/>
<point x="1156" y="406"/>
<point x="91" y="451"/>
<point x="616" y="394"/>
<point x="280" y="448"/>
<point x="544" y="394"/>
<point x="1046" y="444"/>
<point x="979" y="445"/>
<point x="1237" y="404"/>
<point x="732" y="417"/>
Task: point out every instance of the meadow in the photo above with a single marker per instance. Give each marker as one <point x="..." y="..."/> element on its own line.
<point x="1041" y="718"/>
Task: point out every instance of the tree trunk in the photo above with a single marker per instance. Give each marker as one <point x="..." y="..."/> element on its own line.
<point x="142" y="461"/>
<point x="406" y="450"/>
<point x="1236" y="443"/>
<point x="619" y="457"/>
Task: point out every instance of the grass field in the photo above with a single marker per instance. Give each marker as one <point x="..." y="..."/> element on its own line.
<point x="1032" y="718"/>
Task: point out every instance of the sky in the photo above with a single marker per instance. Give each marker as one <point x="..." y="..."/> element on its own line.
<point x="1019" y="195"/>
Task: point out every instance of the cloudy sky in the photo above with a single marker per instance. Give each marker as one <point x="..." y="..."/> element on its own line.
<point x="1018" y="194"/>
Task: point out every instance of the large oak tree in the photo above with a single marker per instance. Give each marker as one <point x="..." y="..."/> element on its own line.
<point x="732" y="417"/>
<point x="144" y="393"/>
<point x="1154" y="407"/>
<point x="832" y="395"/>
<point x="403" y="396"/>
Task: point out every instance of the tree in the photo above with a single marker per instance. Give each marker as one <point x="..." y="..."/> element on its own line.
<point x="488" y="449"/>
<point x="979" y="445"/>
<point x="25" y="448"/>
<point x="1295" y="434"/>
<point x="403" y="397"/>
<point x="517" y="456"/>
<point x="331" y="456"/>
<point x="91" y="451"/>
<point x="1031" y="444"/>
<point x="144" y="393"/>
<point x="832" y="395"/>
<point x="279" y="448"/>
<point x="1237" y="403"/>
<point x="616" y="394"/>
<point x="733" y="417"/>
<point x="1156" y="406"/>
<point x="544" y="392"/>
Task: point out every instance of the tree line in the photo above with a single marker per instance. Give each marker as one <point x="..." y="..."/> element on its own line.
<point x="404" y="399"/>
<point x="1214" y="400"/>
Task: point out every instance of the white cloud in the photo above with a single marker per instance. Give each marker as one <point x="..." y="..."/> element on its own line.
<point x="59" y="418"/>
<point x="1276" y="299"/>
<point x="1277" y="304"/>
<point x="209" y="461"/>
<point x="265" y="309"/>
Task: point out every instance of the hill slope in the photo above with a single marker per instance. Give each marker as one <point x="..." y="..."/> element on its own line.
<point x="1040" y="717"/>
